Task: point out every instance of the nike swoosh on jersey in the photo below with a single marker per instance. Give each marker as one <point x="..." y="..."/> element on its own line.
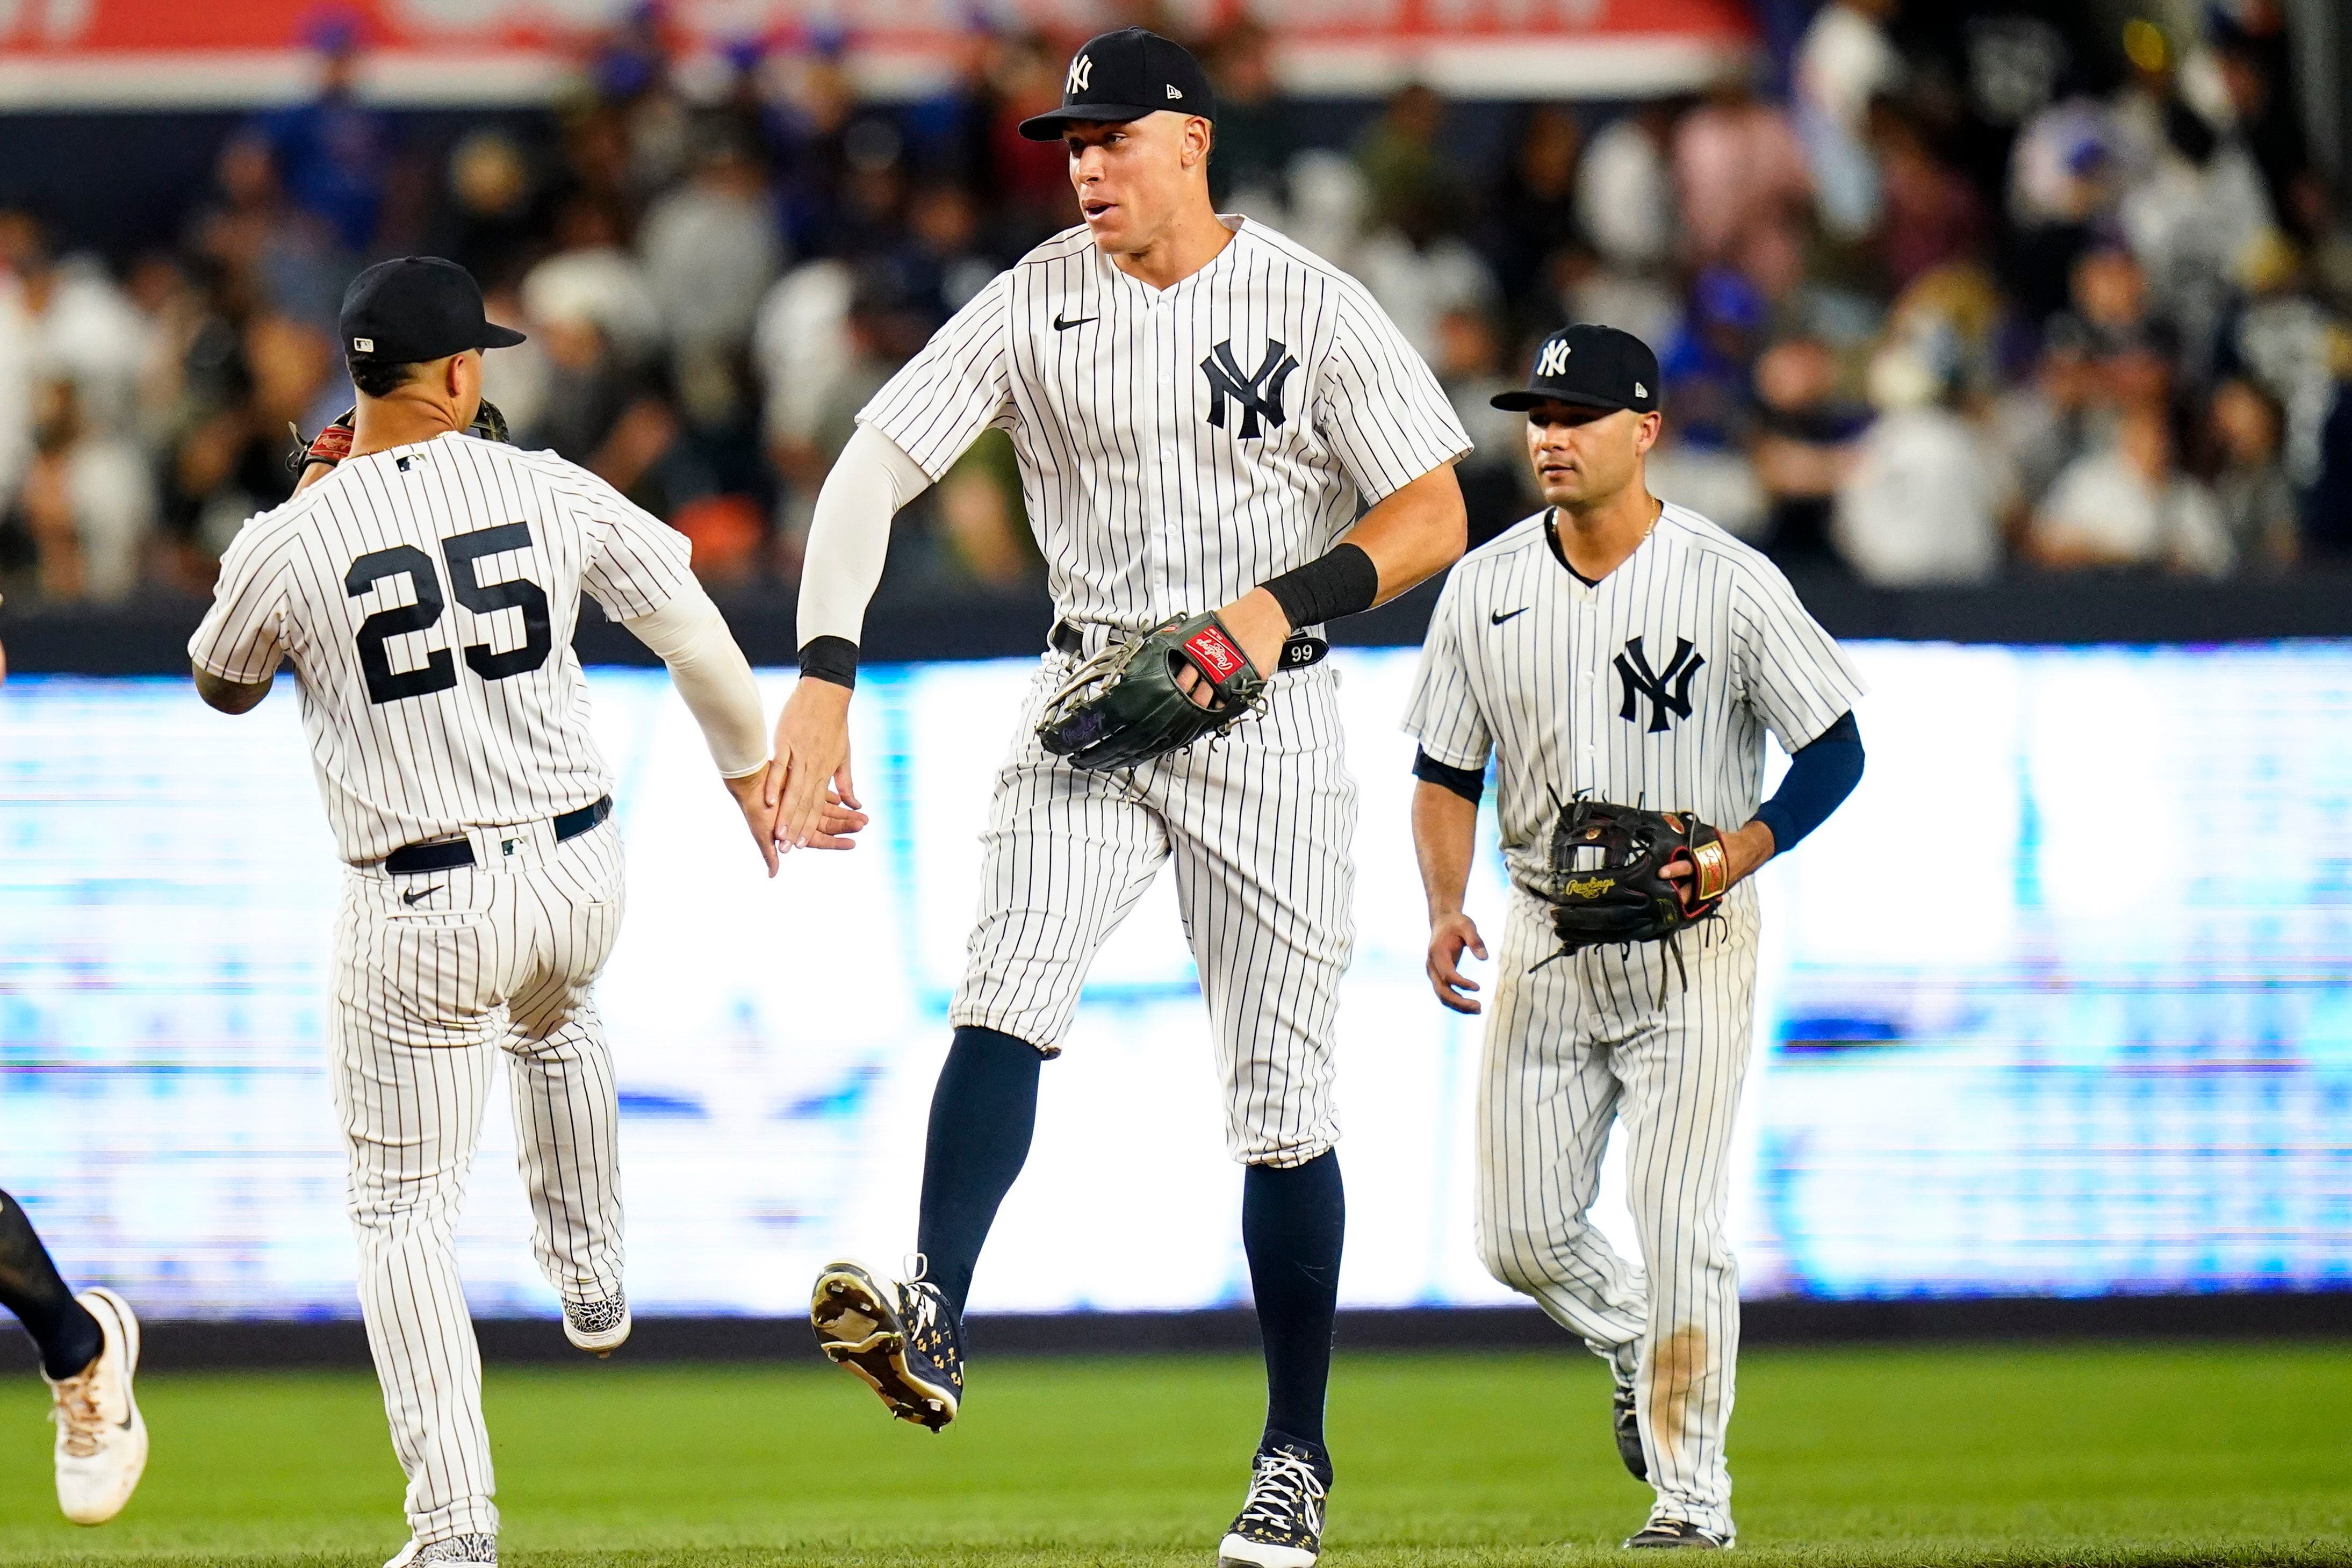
<point x="410" y="899"/>
<point x="1499" y="617"/>
<point x="1062" y="326"/>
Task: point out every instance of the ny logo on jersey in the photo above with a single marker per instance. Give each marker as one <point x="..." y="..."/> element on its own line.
<point x="1260" y="395"/>
<point x="1082" y="69"/>
<point x="1554" y="360"/>
<point x="1634" y="668"/>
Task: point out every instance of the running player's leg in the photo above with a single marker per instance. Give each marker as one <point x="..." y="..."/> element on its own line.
<point x="412" y="1028"/>
<point x="1065" y="856"/>
<point x="89" y="1355"/>
<point x="566" y="1098"/>
<point x="1262" y="829"/>
<point x="69" y="1338"/>
<point x="1546" y="1097"/>
<point x="1682" y="1065"/>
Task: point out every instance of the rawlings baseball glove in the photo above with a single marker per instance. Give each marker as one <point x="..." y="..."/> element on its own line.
<point x="333" y="444"/>
<point x="1122" y="707"/>
<point x="1606" y="879"/>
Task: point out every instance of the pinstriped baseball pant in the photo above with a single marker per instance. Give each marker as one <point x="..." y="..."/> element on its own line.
<point x="1260" y="827"/>
<point x="1572" y="1049"/>
<point x="499" y="956"/>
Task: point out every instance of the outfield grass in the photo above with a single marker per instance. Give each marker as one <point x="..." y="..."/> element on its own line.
<point x="2070" y="1455"/>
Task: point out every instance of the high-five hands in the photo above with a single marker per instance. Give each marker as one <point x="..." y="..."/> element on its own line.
<point x="836" y="819"/>
<point x="807" y="789"/>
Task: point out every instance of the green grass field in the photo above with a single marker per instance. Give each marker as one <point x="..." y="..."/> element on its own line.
<point x="2073" y="1455"/>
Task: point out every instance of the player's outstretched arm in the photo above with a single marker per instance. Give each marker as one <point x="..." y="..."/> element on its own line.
<point x="1444" y="832"/>
<point x="1416" y="531"/>
<point x="849" y="536"/>
<point x="715" y="681"/>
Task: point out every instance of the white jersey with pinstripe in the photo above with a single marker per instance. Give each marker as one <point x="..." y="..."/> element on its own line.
<point x="1655" y="686"/>
<point x="425" y="596"/>
<point x="1177" y="447"/>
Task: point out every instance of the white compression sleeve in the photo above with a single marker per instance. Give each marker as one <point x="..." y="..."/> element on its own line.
<point x="713" y="677"/>
<point x="849" y="536"/>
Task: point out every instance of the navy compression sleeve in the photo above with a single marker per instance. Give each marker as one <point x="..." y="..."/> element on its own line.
<point x="1820" y="777"/>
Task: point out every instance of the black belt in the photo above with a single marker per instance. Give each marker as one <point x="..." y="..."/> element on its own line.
<point x="1297" y="653"/>
<point x="450" y="854"/>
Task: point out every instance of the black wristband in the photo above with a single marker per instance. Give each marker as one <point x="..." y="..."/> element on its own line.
<point x="830" y="659"/>
<point x="1343" y="581"/>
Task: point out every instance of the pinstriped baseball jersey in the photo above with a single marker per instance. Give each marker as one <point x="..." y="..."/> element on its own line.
<point x="1177" y="447"/>
<point x="1654" y="687"/>
<point x="427" y="596"/>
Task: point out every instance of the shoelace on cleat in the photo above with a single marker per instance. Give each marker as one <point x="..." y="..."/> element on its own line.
<point x="1284" y="1488"/>
<point x="77" y="1415"/>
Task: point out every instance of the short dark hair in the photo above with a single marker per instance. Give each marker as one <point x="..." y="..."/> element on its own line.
<point x="375" y="379"/>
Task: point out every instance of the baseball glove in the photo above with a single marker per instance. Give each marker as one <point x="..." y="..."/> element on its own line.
<point x="1122" y="707"/>
<point x="333" y="444"/>
<point x="1606" y="879"/>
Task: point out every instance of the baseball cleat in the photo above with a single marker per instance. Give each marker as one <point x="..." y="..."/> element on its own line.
<point x="102" y="1438"/>
<point x="480" y="1549"/>
<point x="902" y="1338"/>
<point x="597" y="1327"/>
<point x="1675" y="1534"/>
<point x="1623" y="1363"/>
<point x="1281" y="1522"/>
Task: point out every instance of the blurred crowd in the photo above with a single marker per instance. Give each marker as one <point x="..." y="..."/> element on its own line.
<point x="1973" y="295"/>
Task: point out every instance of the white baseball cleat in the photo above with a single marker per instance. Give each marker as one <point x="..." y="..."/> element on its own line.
<point x="101" y="1437"/>
<point x="476" y="1549"/>
<point x="598" y="1327"/>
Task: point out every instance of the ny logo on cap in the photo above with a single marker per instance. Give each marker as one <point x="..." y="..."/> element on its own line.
<point x="1554" y="360"/>
<point x="363" y="345"/>
<point x="1082" y="70"/>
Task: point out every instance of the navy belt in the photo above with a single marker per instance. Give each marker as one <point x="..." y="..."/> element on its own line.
<point x="447" y="856"/>
<point x="1301" y="650"/>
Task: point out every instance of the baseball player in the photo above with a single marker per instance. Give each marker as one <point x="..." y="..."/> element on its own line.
<point x="1617" y="648"/>
<point x="1200" y="409"/>
<point x="90" y="1354"/>
<point x="424" y="587"/>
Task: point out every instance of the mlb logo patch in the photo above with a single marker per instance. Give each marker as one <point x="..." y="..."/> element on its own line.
<point x="1214" y="652"/>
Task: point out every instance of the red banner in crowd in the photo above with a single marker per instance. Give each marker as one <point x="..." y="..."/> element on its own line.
<point x="60" y="52"/>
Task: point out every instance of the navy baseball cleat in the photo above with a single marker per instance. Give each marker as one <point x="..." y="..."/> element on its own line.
<point x="1623" y="1363"/>
<point x="1281" y="1522"/>
<point x="1676" y="1533"/>
<point x="902" y="1338"/>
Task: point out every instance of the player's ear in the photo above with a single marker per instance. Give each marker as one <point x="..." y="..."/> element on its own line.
<point x="1645" y="433"/>
<point x="1199" y="137"/>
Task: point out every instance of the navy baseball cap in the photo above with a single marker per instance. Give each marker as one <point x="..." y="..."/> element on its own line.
<point x="415" y="308"/>
<point x="1118" y="77"/>
<point x="1589" y="366"/>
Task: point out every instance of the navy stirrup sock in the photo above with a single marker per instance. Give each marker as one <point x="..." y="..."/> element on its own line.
<point x="1293" y="1223"/>
<point x="983" y="1114"/>
<point x="30" y="1287"/>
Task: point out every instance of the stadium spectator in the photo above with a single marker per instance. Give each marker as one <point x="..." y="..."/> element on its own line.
<point x="86" y="506"/>
<point x="2246" y="427"/>
<point x="1844" y="62"/>
<point x="2127" y="504"/>
<point x="1409" y="182"/>
<point x="1625" y="190"/>
<point x="1258" y="131"/>
<point x="1802" y="446"/>
<point x="333" y="151"/>
<point x="1921" y="502"/>
<point x="712" y="249"/>
<point x="1739" y="171"/>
